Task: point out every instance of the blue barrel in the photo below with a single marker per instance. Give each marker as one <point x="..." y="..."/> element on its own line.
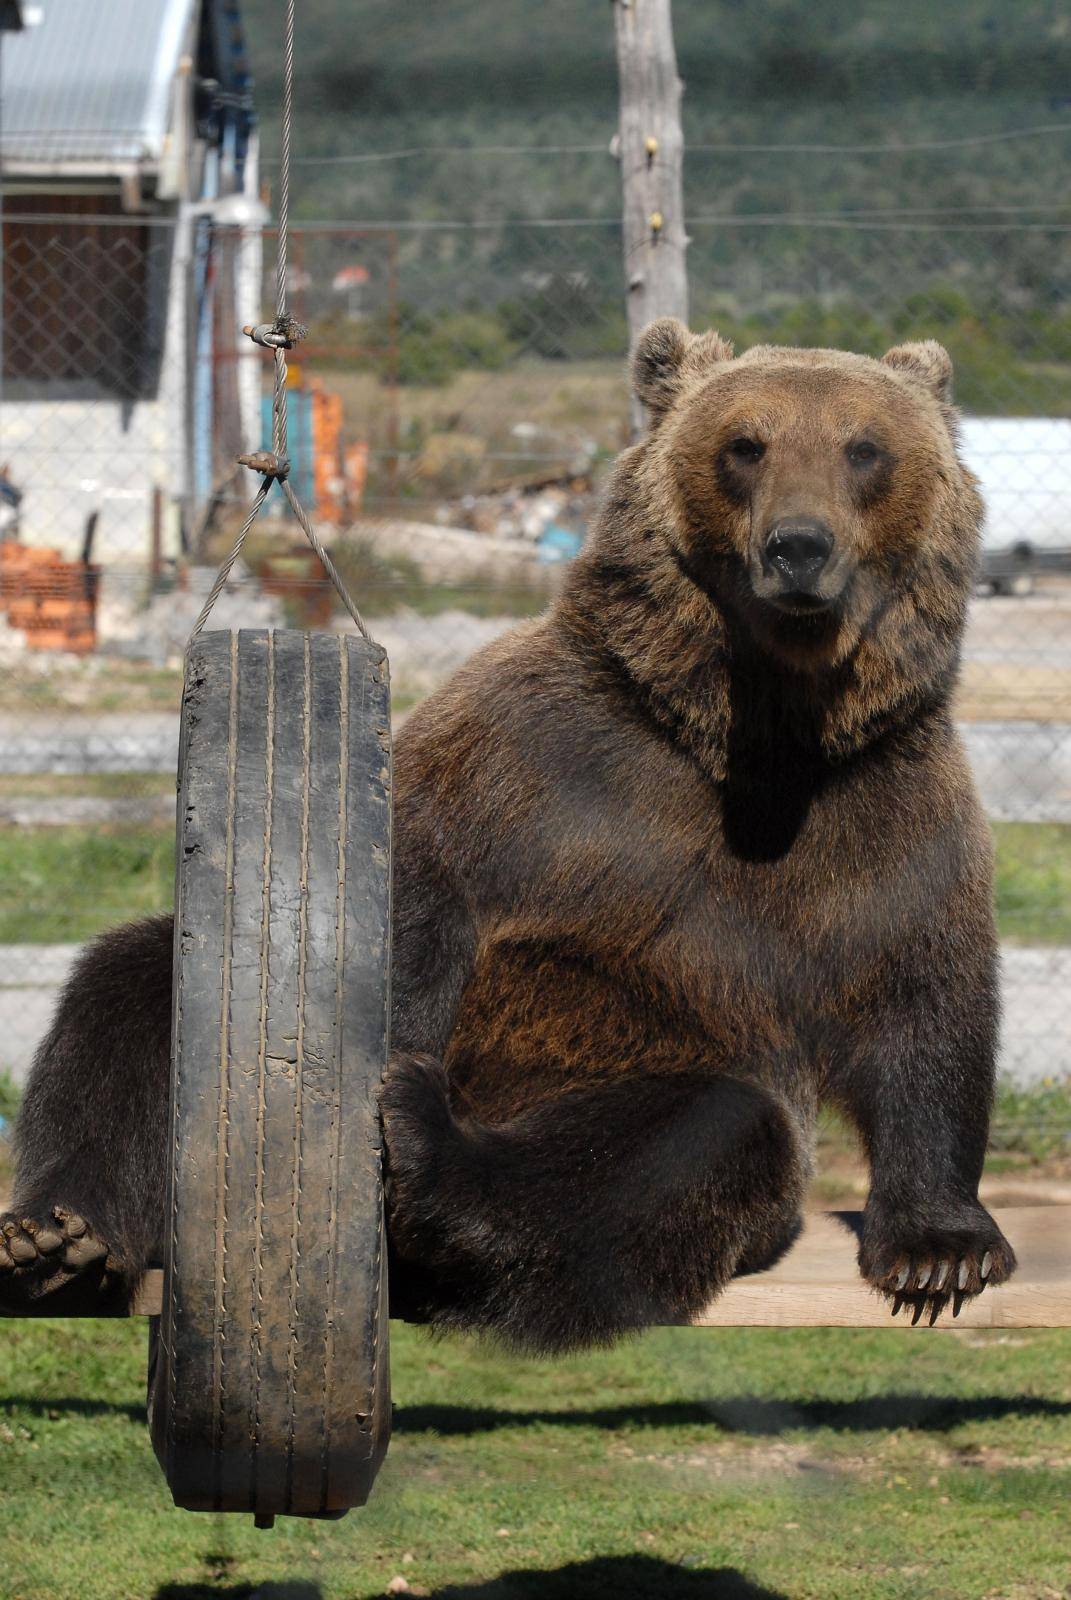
<point x="299" y="447"/>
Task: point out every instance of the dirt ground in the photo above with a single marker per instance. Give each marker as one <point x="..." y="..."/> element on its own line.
<point x="1017" y="657"/>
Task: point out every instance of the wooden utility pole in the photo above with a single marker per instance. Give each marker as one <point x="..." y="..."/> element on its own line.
<point x="651" y="152"/>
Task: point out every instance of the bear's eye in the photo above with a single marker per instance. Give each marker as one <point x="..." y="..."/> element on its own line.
<point x="862" y="453"/>
<point x="747" y="450"/>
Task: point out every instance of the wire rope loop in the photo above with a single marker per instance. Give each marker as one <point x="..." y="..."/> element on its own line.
<point x="279" y="336"/>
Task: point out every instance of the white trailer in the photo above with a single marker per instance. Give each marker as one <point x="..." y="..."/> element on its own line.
<point x="1024" y="464"/>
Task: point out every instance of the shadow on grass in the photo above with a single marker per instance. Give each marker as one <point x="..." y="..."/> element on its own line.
<point x="743" y="1414"/>
<point x="746" y="1414"/>
<point x="240" y="1591"/>
<point x="72" y="1406"/>
<point x="605" y="1578"/>
<point x="615" y="1578"/>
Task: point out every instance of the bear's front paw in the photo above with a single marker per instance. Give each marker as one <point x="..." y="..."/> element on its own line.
<point x="41" y="1252"/>
<point x="931" y="1263"/>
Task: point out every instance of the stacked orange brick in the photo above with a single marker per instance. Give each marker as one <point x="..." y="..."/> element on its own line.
<point x="52" y="601"/>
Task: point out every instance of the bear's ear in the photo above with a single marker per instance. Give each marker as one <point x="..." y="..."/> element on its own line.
<point x="928" y="362"/>
<point x="665" y="352"/>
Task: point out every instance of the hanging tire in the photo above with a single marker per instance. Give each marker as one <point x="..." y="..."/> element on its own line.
<point x="269" y="1391"/>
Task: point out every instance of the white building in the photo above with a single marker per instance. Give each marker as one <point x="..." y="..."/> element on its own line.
<point x="131" y="259"/>
<point x="1024" y="470"/>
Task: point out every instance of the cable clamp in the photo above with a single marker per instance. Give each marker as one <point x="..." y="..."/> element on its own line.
<point x="268" y="463"/>
<point x="282" y="334"/>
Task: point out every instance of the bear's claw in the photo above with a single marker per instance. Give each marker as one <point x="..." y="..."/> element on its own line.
<point x="946" y="1278"/>
<point x="60" y="1244"/>
<point x="929" y="1273"/>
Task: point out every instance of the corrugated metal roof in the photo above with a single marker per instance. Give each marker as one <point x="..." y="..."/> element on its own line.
<point x="92" y="80"/>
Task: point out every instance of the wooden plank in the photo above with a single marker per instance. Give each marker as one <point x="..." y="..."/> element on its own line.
<point x="148" y="1298"/>
<point x="817" y="1285"/>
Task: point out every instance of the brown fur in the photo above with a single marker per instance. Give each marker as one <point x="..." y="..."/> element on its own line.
<point x="684" y="833"/>
<point x="693" y="854"/>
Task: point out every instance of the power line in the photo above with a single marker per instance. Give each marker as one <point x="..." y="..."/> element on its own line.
<point x="411" y="152"/>
<point x="966" y="141"/>
<point x="450" y="150"/>
<point x="878" y="216"/>
<point x="865" y="213"/>
<point x="866" y="217"/>
<point x="768" y="220"/>
<point x="906" y="225"/>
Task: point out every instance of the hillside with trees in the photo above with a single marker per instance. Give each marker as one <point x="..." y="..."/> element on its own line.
<point x="375" y="76"/>
<point x="845" y="245"/>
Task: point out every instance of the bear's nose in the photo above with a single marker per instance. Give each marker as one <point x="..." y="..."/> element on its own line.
<point x="797" y="548"/>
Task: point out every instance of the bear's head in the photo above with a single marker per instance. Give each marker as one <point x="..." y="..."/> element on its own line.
<point x="814" y="496"/>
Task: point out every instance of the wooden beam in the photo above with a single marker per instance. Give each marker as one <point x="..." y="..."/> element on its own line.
<point x="650" y="147"/>
<point x="149" y="1295"/>
<point x="817" y="1285"/>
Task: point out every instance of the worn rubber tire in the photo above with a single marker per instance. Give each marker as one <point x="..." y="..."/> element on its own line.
<point x="270" y="1386"/>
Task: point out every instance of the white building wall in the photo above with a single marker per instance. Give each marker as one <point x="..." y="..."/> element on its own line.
<point x="77" y="451"/>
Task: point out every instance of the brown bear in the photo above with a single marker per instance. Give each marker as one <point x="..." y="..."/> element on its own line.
<point x="691" y="855"/>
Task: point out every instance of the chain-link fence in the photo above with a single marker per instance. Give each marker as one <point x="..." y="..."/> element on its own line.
<point x="453" y="411"/>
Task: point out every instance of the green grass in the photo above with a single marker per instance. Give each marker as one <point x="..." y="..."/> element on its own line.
<point x="699" y="1464"/>
<point x="1030" y="1124"/>
<point x="1033" y="882"/>
<point x="90" y="685"/>
<point x="689" y="1465"/>
<point x="62" y="885"/>
<point x="86" y="785"/>
<point x="10" y="1095"/>
<point x="1029" y="1132"/>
